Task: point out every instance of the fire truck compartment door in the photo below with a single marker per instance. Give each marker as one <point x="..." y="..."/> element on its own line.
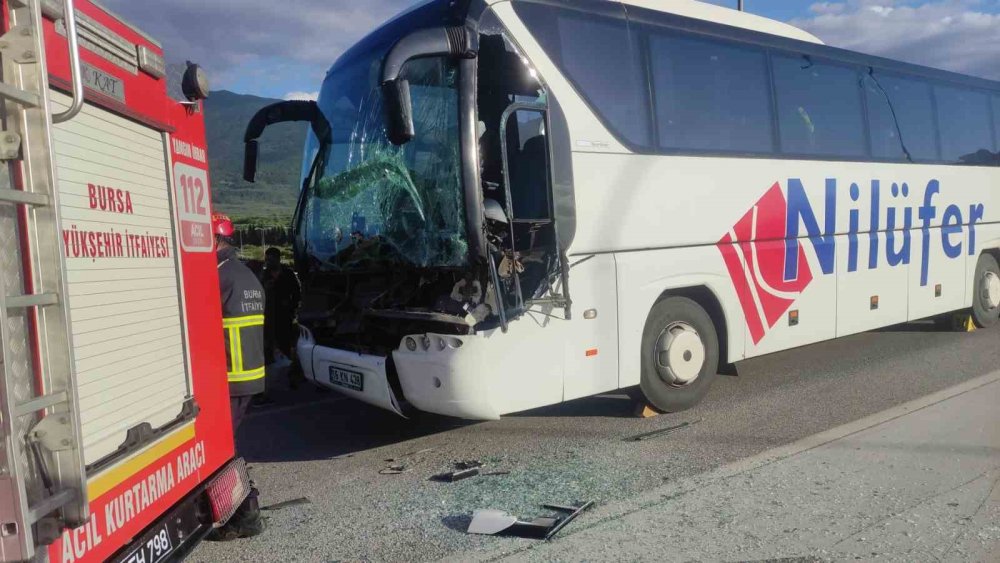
<point x="122" y="272"/>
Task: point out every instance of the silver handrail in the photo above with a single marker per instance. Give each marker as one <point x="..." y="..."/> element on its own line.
<point x="76" y="72"/>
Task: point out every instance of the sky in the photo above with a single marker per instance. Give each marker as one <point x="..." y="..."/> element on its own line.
<point x="283" y="49"/>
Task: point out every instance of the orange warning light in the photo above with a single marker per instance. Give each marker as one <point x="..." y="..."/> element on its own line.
<point x="592" y="352"/>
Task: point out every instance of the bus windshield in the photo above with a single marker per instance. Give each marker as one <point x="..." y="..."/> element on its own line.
<point x="370" y="204"/>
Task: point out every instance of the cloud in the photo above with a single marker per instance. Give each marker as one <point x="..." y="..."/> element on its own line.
<point x="228" y="36"/>
<point x="302" y="96"/>
<point x="956" y="35"/>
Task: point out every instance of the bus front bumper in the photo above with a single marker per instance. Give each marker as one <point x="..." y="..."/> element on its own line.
<point x="448" y="375"/>
<point x="441" y="374"/>
<point x="359" y="376"/>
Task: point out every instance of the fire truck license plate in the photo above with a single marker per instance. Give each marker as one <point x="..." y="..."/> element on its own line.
<point x="348" y="379"/>
<point x="155" y="546"/>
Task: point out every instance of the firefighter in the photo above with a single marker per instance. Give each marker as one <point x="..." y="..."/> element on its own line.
<point x="243" y="327"/>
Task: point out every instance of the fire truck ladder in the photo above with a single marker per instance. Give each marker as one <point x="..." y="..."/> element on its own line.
<point x="43" y="482"/>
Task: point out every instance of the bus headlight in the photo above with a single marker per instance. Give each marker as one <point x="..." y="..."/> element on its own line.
<point x="411" y="344"/>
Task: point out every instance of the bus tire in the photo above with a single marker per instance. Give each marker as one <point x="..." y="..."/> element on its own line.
<point x="680" y="354"/>
<point x="986" y="291"/>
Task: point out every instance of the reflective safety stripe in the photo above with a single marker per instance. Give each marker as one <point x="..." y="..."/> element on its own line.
<point x="238" y="365"/>
<point x="241" y="322"/>
<point x="234" y="326"/>
<point x="243" y="376"/>
<point x="232" y="348"/>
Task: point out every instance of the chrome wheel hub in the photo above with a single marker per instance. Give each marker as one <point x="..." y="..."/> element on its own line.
<point x="990" y="290"/>
<point x="679" y="354"/>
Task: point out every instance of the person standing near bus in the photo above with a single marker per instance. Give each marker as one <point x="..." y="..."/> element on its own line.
<point x="283" y="294"/>
<point x="243" y="326"/>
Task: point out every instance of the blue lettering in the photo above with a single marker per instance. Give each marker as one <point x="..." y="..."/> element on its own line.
<point x="873" y="229"/>
<point x="927" y="213"/>
<point x="799" y="209"/>
<point x="975" y="214"/>
<point x="852" y="232"/>
<point x="801" y="215"/>
<point x="951" y="224"/>
<point x="903" y="255"/>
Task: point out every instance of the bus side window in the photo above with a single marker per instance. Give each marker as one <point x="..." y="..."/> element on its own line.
<point x="601" y="58"/>
<point x="964" y="123"/>
<point x="996" y="127"/>
<point x="710" y="95"/>
<point x="527" y="149"/>
<point x="911" y="103"/>
<point x="819" y="108"/>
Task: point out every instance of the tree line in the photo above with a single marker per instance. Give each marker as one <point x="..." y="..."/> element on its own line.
<point x="253" y="234"/>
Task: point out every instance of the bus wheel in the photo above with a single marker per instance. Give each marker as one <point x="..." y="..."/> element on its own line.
<point x="680" y="354"/>
<point x="986" y="291"/>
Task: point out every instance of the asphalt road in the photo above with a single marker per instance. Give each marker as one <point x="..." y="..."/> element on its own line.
<point x="326" y="453"/>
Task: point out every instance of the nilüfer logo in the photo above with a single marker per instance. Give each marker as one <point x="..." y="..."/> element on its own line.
<point x="766" y="258"/>
<point x="754" y="252"/>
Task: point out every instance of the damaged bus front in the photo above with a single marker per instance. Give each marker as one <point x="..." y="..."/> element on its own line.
<point x="425" y="225"/>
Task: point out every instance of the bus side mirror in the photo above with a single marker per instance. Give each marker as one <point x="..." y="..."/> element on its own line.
<point x="457" y="42"/>
<point x="250" y="161"/>
<point x="398" y="109"/>
<point x="281" y="112"/>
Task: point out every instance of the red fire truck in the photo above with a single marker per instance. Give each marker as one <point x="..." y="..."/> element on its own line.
<point x="117" y="441"/>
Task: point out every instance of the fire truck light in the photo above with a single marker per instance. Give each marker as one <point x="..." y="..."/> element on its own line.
<point x="195" y="83"/>
<point x="151" y="62"/>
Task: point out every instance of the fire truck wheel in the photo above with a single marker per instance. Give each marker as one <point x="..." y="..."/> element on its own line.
<point x="986" y="291"/>
<point x="680" y="354"/>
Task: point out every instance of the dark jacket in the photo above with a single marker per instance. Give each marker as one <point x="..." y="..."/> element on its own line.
<point x="242" y="324"/>
<point x="283" y="293"/>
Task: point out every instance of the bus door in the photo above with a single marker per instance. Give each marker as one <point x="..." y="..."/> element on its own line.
<point x="528" y="259"/>
<point x="529" y="249"/>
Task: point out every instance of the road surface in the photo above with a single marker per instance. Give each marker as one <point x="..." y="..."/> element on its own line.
<point x="327" y="455"/>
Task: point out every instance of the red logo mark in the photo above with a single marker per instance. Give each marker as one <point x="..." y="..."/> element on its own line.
<point x="754" y="252"/>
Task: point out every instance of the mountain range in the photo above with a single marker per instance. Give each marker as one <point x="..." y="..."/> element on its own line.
<point x="275" y="192"/>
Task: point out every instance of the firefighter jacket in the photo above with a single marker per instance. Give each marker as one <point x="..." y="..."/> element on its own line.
<point x="242" y="324"/>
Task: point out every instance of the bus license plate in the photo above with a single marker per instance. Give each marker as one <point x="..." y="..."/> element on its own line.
<point x="155" y="547"/>
<point x="348" y="379"/>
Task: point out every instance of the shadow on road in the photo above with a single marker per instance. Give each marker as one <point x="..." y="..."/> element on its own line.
<point x="611" y="405"/>
<point x="942" y="323"/>
<point x="309" y="423"/>
<point x="459" y="522"/>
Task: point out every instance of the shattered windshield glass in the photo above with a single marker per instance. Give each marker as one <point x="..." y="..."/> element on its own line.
<point x="371" y="204"/>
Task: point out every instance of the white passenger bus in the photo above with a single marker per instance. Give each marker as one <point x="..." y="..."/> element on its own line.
<point x="512" y="203"/>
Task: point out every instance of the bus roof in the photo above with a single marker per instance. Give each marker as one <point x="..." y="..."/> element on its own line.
<point x="718" y="14"/>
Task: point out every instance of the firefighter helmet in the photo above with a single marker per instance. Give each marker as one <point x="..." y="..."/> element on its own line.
<point x="222" y="225"/>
